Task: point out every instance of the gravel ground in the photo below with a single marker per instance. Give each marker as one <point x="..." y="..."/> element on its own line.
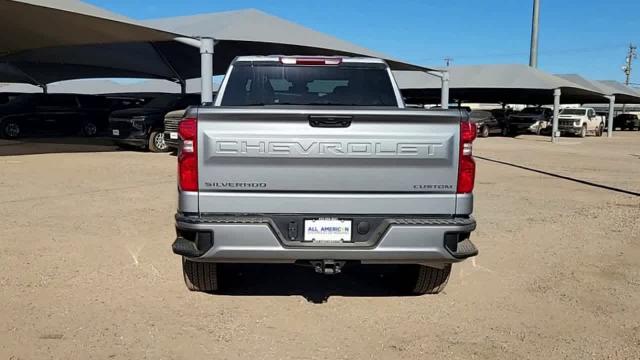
<point x="86" y="269"/>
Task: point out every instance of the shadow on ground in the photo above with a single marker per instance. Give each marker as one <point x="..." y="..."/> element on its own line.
<point x="292" y="280"/>
<point x="55" y="145"/>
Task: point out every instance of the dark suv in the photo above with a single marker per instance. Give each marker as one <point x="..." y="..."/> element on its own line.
<point x="530" y="120"/>
<point x="143" y="127"/>
<point x="53" y="114"/>
<point x="626" y="122"/>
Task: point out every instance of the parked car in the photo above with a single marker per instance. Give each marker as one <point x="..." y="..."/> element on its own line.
<point x="143" y="127"/>
<point x="53" y="114"/>
<point x="301" y="160"/>
<point x="580" y="122"/>
<point x="626" y="122"/>
<point x="171" y="122"/>
<point x="485" y="122"/>
<point x="529" y="120"/>
<point x="502" y="115"/>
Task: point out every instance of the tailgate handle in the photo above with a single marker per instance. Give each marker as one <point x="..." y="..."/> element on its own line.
<point x="330" y="121"/>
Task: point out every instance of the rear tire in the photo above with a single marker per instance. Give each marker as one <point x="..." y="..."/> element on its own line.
<point x="600" y="130"/>
<point x="10" y="129"/>
<point x="156" y="142"/>
<point x="428" y="280"/>
<point x="201" y="276"/>
<point x="89" y="129"/>
<point x="484" y="131"/>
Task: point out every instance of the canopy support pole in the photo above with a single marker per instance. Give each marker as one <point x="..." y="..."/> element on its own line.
<point x="183" y="87"/>
<point x="444" y="90"/>
<point x="206" y="46"/>
<point x="45" y="89"/>
<point x="612" y="105"/>
<point x="555" y="135"/>
<point x="206" y="59"/>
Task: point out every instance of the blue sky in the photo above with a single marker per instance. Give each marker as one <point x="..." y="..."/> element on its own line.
<point x="589" y="37"/>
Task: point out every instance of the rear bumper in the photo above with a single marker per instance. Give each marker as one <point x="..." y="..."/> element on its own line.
<point x="574" y="130"/>
<point x="521" y="128"/>
<point x="128" y="135"/>
<point x="172" y="143"/>
<point x="247" y="239"/>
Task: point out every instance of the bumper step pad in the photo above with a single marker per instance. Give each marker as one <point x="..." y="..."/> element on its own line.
<point x="465" y="249"/>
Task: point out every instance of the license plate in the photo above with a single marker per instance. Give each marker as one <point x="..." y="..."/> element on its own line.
<point x="115" y="132"/>
<point x="327" y="230"/>
<point x="173" y="135"/>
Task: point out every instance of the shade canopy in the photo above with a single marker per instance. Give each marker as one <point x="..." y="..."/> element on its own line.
<point x="253" y="32"/>
<point x="32" y="24"/>
<point x="108" y="86"/>
<point x="623" y="93"/>
<point x="512" y="84"/>
<point x="83" y="41"/>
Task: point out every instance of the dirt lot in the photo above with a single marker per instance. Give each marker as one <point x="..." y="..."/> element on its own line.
<point x="86" y="269"/>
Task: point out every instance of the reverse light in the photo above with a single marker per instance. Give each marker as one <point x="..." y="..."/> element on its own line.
<point x="188" y="155"/>
<point x="310" y="61"/>
<point x="466" y="165"/>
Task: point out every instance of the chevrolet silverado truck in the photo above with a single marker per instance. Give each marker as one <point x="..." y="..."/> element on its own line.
<point x="580" y="122"/>
<point x="316" y="161"/>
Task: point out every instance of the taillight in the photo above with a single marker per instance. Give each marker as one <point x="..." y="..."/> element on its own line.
<point x="466" y="167"/>
<point x="188" y="155"/>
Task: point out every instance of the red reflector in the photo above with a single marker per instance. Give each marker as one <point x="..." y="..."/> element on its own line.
<point x="188" y="155"/>
<point x="466" y="164"/>
<point x="466" y="175"/>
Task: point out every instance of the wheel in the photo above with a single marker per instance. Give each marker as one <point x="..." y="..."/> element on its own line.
<point x="201" y="276"/>
<point x="89" y="129"/>
<point x="427" y="280"/>
<point x="538" y="129"/>
<point x="10" y="129"/>
<point x="484" y="131"/>
<point x="156" y="142"/>
<point x="600" y="130"/>
<point x="583" y="131"/>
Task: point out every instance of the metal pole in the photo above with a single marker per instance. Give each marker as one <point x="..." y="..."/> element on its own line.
<point x="628" y="67"/>
<point x="45" y="88"/>
<point x="612" y="105"/>
<point x="556" y="109"/>
<point x="444" y="95"/>
<point x="183" y="87"/>
<point x="206" y="70"/>
<point x="533" y="54"/>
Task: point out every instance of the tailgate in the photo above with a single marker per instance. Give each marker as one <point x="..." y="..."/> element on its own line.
<point x="380" y="152"/>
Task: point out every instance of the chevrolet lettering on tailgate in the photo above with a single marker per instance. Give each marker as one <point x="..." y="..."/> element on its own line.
<point x="402" y="148"/>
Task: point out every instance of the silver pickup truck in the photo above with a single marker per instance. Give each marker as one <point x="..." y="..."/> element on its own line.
<point x="316" y="161"/>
